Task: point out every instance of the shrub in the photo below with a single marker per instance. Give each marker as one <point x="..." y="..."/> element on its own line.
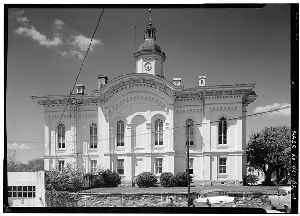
<point x="68" y="180"/>
<point x="146" y="179"/>
<point x="110" y="179"/>
<point x="251" y="179"/>
<point x="93" y="180"/>
<point x="61" y="199"/>
<point x="182" y="180"/>
<point x="167" y="179"/>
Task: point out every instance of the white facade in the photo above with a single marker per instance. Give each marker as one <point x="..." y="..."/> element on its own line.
<point x="141" y="120"/>
<point x="26" y="189"/>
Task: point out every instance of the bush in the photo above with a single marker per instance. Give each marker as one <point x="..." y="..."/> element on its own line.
<point x="68" y="180"/>
<point x="182" y="180"/>
<point x="167" y="179"/>
<point x="146" y="179"/>
<point x="61" y="199"/>
<point x="251" y="179"/>
<point x="110" y="179"/>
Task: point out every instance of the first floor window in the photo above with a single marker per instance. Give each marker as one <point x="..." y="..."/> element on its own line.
<point x="21" y="191"/>
<point x="222" y="131"/>
<point x="189" y="132"/>
<point x="191" y="163"/>
<point x="93" y="136"/>
<point x="61" y="136"/>
<point x="222" y="164"/>
<point x="61" y="165"/>
<point x="93" y="166"/>
<point x="120" y="133"/>
<point x="158" y="166"/>
<point x="158" y="131"/>
<point x="120" y="166"/>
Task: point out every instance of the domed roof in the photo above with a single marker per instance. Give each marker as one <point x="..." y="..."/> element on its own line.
<point x="149" y="44"/>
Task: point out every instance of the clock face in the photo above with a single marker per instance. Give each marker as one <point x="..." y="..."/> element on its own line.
<point x="147" y="66"/>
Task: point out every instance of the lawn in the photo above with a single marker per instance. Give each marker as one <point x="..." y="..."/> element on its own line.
<point x="181" y="190"/>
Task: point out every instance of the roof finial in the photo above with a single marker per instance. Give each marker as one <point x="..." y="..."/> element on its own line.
<point x="149" y="12"/>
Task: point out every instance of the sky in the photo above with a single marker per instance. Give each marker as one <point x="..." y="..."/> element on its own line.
<point x="46" y="46"/>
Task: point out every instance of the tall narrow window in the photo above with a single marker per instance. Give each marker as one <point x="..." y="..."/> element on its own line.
<point x="120" y="166"/>
<point x="222" y="164"/>
<point x="158" y="165"/>
<point x="189" y="131"/>
<point x="61" y="136"/>
<point x="120" y="133"/>
<point x="93" y="136"/>
<point x="61" y="165"/>
<point x="222" y="131"/>
<point x="191" y="164"/>
<point x="93" y="166"/>
<point x="158" y="129"/>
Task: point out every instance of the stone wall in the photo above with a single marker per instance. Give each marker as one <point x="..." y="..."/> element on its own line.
<point x="132" y="200"/>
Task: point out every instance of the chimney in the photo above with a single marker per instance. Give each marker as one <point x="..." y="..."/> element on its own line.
<point x="177" y="82"/>
<point x="202" y="80"/>
<point x="102" y="80"/>
<point x="80" y="89"/>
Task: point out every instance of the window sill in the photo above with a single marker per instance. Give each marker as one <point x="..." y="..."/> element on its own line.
<point x="61" y="150"/>
<point x="92" y="149"/>
<point x="222" y="175"/>
<point x="222" y="146"/>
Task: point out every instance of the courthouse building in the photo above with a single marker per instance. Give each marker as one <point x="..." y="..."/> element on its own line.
<point x="137" y="122"/>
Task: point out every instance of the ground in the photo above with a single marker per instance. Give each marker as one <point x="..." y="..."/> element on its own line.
<point x="199" y="189"/>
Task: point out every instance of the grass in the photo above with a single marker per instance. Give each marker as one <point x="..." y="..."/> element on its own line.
<point x="183" y="190"/>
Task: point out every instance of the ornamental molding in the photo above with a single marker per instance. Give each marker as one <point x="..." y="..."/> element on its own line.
<point x="134" y="99"/>
<point x="223" y="108"/>
<point x="135" y="82"/>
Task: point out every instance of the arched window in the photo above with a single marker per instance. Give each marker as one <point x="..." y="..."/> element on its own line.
<point x="189" y="131"/>
<point x="93" y="136"/>
<point x="222" y="131"/>
<point x="120" y="133"/>
<point x="158" y="129"/>
<point x="61" y="136"/>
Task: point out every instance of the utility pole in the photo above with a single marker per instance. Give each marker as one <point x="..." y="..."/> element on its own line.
<point x="188" y="164"/>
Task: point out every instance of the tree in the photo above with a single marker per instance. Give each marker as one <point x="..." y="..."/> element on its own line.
<point x="269" y="151"/>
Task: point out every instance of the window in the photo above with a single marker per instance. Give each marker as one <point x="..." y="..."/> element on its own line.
<point x="61" y="136"/>
<point x="120" y="166"/>
<point x="93" y="136"/>
<point x="61" y="164"/>
<point x="21" y="191"/>
<point x="158" y="128"/>
<point x="222" y="164"/>
<point x="189" y="132"/>
<point x="191" y="164"/>
<point x="158" y="166"/>
<point x="93" y="166"/>
<point x="120" y="133"/>
<point x="222" y="131"/>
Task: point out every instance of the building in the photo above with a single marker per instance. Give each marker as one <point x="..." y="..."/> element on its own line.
<point x="26" y="189"/>
<point x="137" y="122"/>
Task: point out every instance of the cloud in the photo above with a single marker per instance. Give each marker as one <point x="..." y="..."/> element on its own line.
<point x="82" y="42"/>
<point x="58" y="24"/>
<point x="17" y="146"/>
<point x="35" y="35"/>
<point x="65" y="41"/>
<point x="283" y="112"/>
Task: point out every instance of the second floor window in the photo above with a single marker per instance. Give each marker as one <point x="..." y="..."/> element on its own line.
<point x="158" y="166"/>
<point x="61" y="165"/>
<point x="93" y="136"/>
<point x="120" y="133"/>
<point x="222" y="165"/>
<point x="61" y="136"/>
<point x="120" y="166"/>
<point x="93" y="166"/>
<point x="189" y="132"/>
<point x="158" y="130"/>
<point x="222" y="131"/>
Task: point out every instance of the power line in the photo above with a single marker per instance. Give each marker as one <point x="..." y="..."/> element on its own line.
<point x="183" y="126"/>
<point x="82" y="63"/>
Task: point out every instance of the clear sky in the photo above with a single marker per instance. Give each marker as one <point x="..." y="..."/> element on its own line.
<point x="228" y="45"/>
